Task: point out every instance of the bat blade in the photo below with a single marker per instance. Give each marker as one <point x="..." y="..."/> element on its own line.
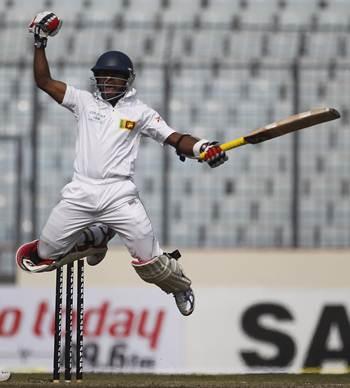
<point x="282" y="127"/>
<point x="292" y="124"/>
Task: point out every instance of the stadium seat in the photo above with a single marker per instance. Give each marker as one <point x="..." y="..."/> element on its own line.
<point x="140" y="11"/>
<point x="232" y="72"/>
<point x="297" y="14"/>
<point x="258" y="13"/>
<point x="220" y="12"/>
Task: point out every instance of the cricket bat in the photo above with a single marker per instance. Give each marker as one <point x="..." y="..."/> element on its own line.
<point x="282" y="127"/>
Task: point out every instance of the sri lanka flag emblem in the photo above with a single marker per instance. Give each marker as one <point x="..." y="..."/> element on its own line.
<point x="127" y="124"/>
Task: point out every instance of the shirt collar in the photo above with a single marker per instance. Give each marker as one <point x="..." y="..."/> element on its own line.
<point x="130" y="93"/>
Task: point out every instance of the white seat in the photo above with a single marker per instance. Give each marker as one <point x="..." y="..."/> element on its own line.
<point x="102" y="10"/>
<point x="283" y="46"/>
<point x="297" y="14"/>
<point x="141" y="11"/>
<point x="181" y="11"/>
<point x="245" y="45"/>
<point x="68" y="10"/>
<point x="149" y="86"/>
<point x="258" y="12"/>
<point x="87" y="45"/>
<point x="24" y="11"/>
<point x="220" y="12"/>
<point x="336" y="236"/>
<point x="336" y="13"/>
<point x="322" y="45"/>
<point x="24" y="43"/>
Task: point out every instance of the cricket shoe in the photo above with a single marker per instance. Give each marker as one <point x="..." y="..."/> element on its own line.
<point x="98" y="257"/>
<point x="28" y="260"/>
<point x="185" y="301"/>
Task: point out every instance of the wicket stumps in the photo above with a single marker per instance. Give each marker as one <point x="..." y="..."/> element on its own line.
<point x="69" y="323"/>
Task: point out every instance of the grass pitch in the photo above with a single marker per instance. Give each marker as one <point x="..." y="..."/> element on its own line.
<point x="185" y="381"/>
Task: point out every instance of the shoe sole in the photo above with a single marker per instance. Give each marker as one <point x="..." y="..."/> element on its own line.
<point x="74" y="256"/>
<point x="95" y="259"/>
<point x="191" y="301"/>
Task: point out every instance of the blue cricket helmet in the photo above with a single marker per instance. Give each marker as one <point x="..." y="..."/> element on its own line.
<point x="115" y="61"/>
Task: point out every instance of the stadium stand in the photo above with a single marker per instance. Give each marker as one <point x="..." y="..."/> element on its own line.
<point x="232" y="66"/>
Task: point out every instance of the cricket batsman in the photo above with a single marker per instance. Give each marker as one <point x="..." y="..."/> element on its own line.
<point x="102" y="199"/>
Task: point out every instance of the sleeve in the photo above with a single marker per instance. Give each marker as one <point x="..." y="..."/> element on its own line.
<point x="155" y="127"/>
<point x="73" y="100"/>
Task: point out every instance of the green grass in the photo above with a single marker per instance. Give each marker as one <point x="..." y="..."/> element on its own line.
<point x="179" y="381"/>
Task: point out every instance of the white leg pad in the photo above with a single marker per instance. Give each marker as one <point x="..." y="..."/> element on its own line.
<point x="165" y="272"/>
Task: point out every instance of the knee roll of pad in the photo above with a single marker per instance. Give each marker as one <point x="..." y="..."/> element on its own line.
<point x="165" y="272"/>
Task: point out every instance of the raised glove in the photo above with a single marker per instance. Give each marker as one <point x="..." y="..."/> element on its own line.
<point x="214" y="155"/>
<point x="43" y="25"/>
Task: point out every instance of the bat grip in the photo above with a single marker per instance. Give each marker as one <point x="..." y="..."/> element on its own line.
<point x="228" y="146"/>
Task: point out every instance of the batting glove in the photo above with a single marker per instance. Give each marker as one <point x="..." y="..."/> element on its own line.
<point x="43" y="25"/>
<point x="214" y="155"/>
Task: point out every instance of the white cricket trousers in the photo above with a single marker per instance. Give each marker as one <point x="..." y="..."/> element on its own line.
<point x="113" y="202"/>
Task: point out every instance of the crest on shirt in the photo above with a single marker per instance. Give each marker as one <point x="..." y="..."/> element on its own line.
<point x="127" y="124"/>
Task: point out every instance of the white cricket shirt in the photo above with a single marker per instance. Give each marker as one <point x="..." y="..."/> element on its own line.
<point x="108" y="137"/>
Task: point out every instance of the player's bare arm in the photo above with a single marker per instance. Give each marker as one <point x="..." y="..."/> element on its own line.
<point x="189" y="146"/>
<point x="185" y="142"/>
<point x="43" y="25"/>
<point x="56" y="89"/>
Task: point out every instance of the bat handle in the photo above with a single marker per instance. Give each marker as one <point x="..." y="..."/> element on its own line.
<point x="228" y="146"/>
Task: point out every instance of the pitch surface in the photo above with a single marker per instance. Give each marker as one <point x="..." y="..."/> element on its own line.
<point x="184" y="381"/>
